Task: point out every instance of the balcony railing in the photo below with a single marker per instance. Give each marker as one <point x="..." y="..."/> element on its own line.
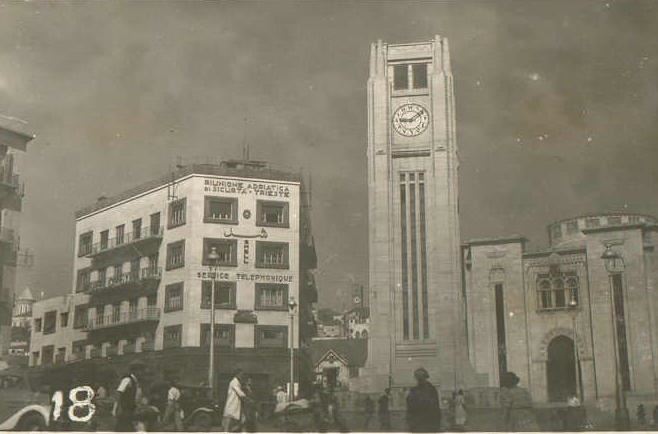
<point x="125" y="278"/>
<point x="145" y="233"/>
<point x="133" y="316"/>
<point x="8" y="177"/>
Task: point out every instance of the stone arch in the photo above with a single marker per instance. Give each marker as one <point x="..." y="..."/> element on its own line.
<point x="542" y="349"/>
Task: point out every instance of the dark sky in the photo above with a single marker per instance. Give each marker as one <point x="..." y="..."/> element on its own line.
<point x="556" y="107"/>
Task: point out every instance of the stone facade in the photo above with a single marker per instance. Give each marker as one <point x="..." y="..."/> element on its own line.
<point x="414" y="271"/>
<point x="522" y="306"/>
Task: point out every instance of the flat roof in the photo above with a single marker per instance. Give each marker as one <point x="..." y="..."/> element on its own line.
<point x="234" y="168"/>
<point x="496" y="240"/>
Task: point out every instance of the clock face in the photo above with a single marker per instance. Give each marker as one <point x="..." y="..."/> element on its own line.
<point x="410" y="120"/>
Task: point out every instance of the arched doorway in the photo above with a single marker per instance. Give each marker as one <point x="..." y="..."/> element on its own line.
<point x="560" y="369"/>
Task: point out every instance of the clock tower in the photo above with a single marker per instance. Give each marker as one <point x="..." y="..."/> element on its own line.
<point x="415" y="290"/>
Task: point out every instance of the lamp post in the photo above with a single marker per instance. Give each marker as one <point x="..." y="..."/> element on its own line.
<point x="213" y="259"/>
<point x="573" y="306"/>
<point x="292" y="304"/>
<point x="614" y="264"/>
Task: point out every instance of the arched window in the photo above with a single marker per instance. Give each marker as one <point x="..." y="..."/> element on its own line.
<point x="556" y="290"/>
<point x="364" y="334"/>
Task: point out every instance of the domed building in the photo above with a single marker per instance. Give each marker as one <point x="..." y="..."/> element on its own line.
<point x="22" y="312"/>
<point x="576" y="319"/>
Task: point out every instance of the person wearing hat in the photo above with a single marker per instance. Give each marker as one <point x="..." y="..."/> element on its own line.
<point x="128" y="395"/>
<point x="517" y="403"/>
<point x="423" y="410"/>
<point x="233" y="411"/>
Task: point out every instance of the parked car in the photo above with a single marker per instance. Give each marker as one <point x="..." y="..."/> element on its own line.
<point x="22" y="406"/>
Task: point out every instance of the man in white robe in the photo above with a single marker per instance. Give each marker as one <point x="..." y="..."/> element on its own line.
<point x="233" y="406"/>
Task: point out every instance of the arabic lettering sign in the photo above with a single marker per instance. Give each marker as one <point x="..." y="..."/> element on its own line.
<point x="235" y="186"/>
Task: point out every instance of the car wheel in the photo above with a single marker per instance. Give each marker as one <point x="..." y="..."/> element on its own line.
<point x="32" y="422"/>
<point x="202" y="422"/>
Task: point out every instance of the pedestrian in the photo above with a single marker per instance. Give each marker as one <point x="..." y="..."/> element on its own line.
<point x="423" y="408"/>
<point x="460" y="410"/>
<point x="383" y="411"/>
<point x="369" y="408"/>
<point x="517" y="405"/>
<point x="173" y="409"/>
<point x="250" y="410"/>
<point x="655" y="416"/>
<point x="233" y="407"/>
<point x="128" y="395"/>
<point x="641" y="415"/>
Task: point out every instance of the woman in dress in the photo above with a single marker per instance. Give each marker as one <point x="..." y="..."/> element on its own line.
<point x="517" y="404"/>
<point x="460" y="411"/>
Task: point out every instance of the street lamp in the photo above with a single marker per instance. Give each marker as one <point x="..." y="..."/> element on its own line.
<point x="213" y="260"/>
<point x="614" y="264"/>
<point x="292" y="304"/>
<point x="573" y="306"/>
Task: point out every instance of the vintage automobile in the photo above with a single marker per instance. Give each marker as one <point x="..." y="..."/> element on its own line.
<point x="22" y="406"/>
<point x="200" y="412"/>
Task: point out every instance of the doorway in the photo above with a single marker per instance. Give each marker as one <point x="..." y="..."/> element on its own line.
<point x="561" y="369"/>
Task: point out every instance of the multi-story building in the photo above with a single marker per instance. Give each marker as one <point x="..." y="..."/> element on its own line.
<point x="21" y="322"/>
<point x="11" y="198"/>
<point x="142" y="273"/>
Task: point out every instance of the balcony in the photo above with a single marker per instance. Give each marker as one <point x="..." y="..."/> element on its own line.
<point x="149" y="314"/>
<point x="131" y="239"/>
<point x="127" y="285"/>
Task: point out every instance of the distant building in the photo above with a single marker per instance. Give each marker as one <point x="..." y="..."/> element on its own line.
<point x="11" y="201"/>
<point x="356" y="323"/>
<point x="337" y="361"/>
<point x="21" y="323"/>
<point x="330" y="331"/>
<point x="142" y="284"/>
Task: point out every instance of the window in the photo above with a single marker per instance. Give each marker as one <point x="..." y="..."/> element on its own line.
<point x="224" y="335"/>
<point x="272" y="213"/>
<point x="271" y="296"/>
<point x="79" y="348"/>
<point x="105" y="239"/>
<point x="220" y="210"/>
<point x="176" y="255"/>
<point x="155" y="224"/>
<point x="572" y="227"/>
<point x="152" y="300"/>
<point x="173" y="297"/>
<point x="37" y="325"/>
<point x="48" y="353"/>
<point x="177" y="213"/>
<point x="419" y="74"/>
<point x="410" y="76"/>
<point x="400" y="77"/>
<point x="102" y="277"/>
<point x="226" y="249"/>
<point x="271" y="336"/>
<point x="64" y="319"/>
<point x="120" y="232"/>
<point x="557" y="290"/>
<point x="271" y="254"/>
<point x="84" y="279"/>
<point x="614" y="220"/>
<point x="634" y="219"/>
<point x="80" y="316"/>
<point x="556" y="232"/>
<point x="117" y="277"/>
<point x="50" y="322"/>
<point x="85" y="243"/>
<point x="137" y="229"/>
<point x="224" y="294"/>
<point x="592" y="223"/>
<point x="173" y="336"/>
